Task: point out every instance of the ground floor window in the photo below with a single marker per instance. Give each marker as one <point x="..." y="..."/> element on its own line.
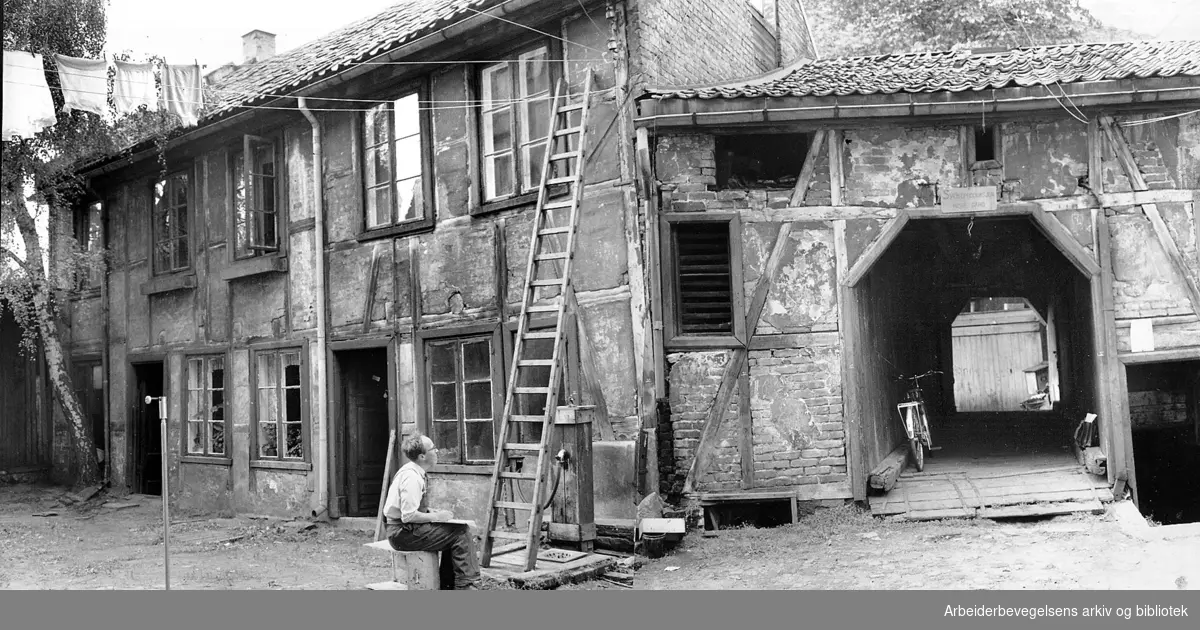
<point x="462" y="404"/>
<point x="280" y="404"/>
<point x="205" y="410"/>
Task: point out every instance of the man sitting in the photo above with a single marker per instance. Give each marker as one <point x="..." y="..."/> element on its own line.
<point x="411" y="526"/>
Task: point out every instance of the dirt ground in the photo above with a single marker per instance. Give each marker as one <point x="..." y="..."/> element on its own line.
<point x="90" y="546"/>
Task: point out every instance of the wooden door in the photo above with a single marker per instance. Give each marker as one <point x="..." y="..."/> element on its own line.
<point x="366" y="413"/>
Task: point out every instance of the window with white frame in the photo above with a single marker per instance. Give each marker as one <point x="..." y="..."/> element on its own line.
<point x="395" y="163"/>
<point x="514" y="114"/>
<point x="171" y="224"/>
<point x="205" y="410"/>
<point x="255" y="198"/>
<point x="462" y="409"/>
<point x="89" y="236"/>
<point x="279" y="402"/>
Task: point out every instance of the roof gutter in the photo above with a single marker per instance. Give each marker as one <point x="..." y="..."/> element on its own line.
<point x="445" y="34"/>
<point x="692" y="112"/>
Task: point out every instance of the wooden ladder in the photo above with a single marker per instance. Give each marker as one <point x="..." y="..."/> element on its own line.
<point x="553" y="221"/>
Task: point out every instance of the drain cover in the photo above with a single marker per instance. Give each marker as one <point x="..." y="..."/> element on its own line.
<point x="560" y="555"/>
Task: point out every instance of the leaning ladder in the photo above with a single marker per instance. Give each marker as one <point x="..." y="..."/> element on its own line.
<point x="553" y="220"/>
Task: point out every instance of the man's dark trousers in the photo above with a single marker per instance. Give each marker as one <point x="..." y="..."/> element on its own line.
<point x="459" y="565"/>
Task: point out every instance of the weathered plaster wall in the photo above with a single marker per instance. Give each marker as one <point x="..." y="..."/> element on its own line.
<point x="897" y="166"/>
<point x="1145" y="283"/>
<point x="803" y="296"/>
<point x="1045" y="158"/>
<point x="692" y="384"/>
<point x="203" y="489"/>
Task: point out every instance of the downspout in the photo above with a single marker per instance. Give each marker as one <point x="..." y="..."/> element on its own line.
<point x="105" y="364"/>
<point x="322" y="334"/>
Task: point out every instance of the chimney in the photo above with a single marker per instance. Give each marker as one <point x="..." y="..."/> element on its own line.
<point x="258" y="46"/>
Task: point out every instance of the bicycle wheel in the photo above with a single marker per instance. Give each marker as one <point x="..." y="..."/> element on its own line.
<point x="918" y="453"/>
<point x="926" y="437"/>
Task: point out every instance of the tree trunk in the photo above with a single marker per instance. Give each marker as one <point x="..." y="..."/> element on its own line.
<point x="85" y="464"/>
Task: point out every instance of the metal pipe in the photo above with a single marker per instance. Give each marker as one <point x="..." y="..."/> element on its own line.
<point x="323" y="440"/>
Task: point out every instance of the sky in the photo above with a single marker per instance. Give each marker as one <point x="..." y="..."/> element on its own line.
<point x="213" y="35"/>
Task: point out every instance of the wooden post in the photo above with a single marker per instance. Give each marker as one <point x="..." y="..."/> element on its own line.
<point x="573" y="514"/>
<point x="806" y="172"/>
<point x="1052" y="351"/>
<point x="747" y="426"/>
<point x="848" y="327"/>
<point x="380" y="517"/>
<point x="835" y="167"/>
<point x="372" y="283"/>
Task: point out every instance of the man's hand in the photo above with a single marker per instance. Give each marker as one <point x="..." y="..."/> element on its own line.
<point x="441" y="516"/>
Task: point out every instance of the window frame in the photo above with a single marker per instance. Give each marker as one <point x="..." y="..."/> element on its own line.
<point x="492" y="332"/>
<point x="520" y="194"/>
<point x="257" y="460"/>
<point x="92" y="280"/>
<point x="673" y="337"/>
<point x="234" y="177"/>
<point x="421" y="87"/>
<point x="205" y="359"/>
<point x="156" y="238"/>
<point x="971" y="150"/>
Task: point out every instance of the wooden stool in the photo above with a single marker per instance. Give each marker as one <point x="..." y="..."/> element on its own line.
<point x="419" y="568"/>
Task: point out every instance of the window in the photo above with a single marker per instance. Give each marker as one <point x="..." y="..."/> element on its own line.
<point x="171" y="224"/>
<point x="205" y="411"/>
<point x="279" y="405"/>
<point x="462" y="399"/>
<point x="89" y="235"/>
<point x="396" y="163"/>
<point x="255" y="198"/>
<point x="702" y="286"/>
<point x="760" y="160"/>
<point x="514" y="113"/>
<point x="985" y="143"/>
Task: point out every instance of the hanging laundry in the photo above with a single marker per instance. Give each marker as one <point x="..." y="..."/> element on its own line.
<point x="28" y="107"/>
<point x="182" y="91"/>
<point x="84" y="84"/>
<point x="134" y="87"/>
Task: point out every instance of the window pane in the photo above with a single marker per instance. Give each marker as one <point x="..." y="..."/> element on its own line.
<point x="499" y="124"/>
<point x="162" y="256"/>
<point x="182" y="255"/>
<point x="291" y="399"/>
<point x="180" y="189"/>
<point x="195" y="373"/>
<point x="379" y="167"/>
<point x="291" y="369"/>
<point x="477" y="360"/>
<point x="535" y="72"/>
<point x="195" y="437"/>
<point x="479" y="400"/>
<point x="441" y="362"/>
<point x="217" y="373"/>
<point x="410" y="193"/>
<point x="480" y="443"/>
<point x="268" y="445"/>
<point x="533" y="160"/>
<point x="295" y="440"/>
<point x="499" y="172"/>
<point x="445" y="401"/>
<point x="218" y="438"/>
<point x="375" y="126"/>
<point x="497" y="86"/>
<point x="407" y="116"/>
<point x="379" y="206"/>
<point x="268" y="406"/>
<point x="408" y="157"/>
<point x="266" y="371"/>
<point x="195" y="406"/>
<point x="218" y="406"/>
<point x="445" y="436"/>
<point x="535" y="120"/>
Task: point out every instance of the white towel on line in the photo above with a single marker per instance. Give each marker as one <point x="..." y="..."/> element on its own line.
<point x="134" y="87"/>
<point x="84" y="84"/>
<point x="28" y="107"/>
<point x="182" y="91"/>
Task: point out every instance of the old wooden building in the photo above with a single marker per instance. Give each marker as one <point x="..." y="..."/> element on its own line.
<point x="338" y="250"/>
<point x="822" y="226"/>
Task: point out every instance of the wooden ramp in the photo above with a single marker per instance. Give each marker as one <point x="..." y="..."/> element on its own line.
<point x="1037" y="484"/>
<point x="509" y="564"/>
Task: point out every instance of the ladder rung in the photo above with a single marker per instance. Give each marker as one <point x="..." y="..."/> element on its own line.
<point x="520" y="418"/>
<point x="541" y="334"/>
<point x="569" y="179"/>
<point x="504" y="474"/>
<point x="531" y="390"/>
<point x="558" y="205"/>
<point x="547" y="282"/>
<point x="570" y="108"/>
<point x="567" y="131"/>
<point x="566" y="155"/>
<point x="553" y="230"/>
<point x="522" y="446"/>
<point x="508" y="536"/>
<point x="535" y="363"/>
<point x="514" y="505"/>
<point x="551" y="256"/>
<point x="541" y="308"/>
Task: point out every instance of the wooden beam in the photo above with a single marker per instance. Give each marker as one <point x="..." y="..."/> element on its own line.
<point x="500" y="268"/>
<point x="737" y="362"/>
<point x="747" y="425"/>
<point x="878" y="246"/>
<point x="369" y="298"/>
<point x="848" y="322"/>
<point x="1062" y="239"/>
<point x="414" y="282"/>
<point x="884" y="475"/>
<point x="806" y="172"/>
<point x="1161" y="356"/>
<point x="1095" y="157"/>
<point x="835" y="167"/>
<point x="380" y="517"/>
<point x="1138" y="183"/>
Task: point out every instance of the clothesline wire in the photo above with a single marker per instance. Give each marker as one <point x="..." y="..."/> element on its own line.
<point x="1146" y="121"/>
<point x="530" y="28"/>
<point x="330" y="109"/>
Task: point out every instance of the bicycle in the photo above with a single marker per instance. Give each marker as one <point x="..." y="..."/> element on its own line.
<point x="916" y="420"/>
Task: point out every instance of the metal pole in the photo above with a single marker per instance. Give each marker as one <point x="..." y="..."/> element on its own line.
<point x="165" y="495"/>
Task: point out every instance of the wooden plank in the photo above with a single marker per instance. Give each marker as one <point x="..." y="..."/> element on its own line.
<point x="848" y="330"/>
<point x="1062" y="239"/>
<point x="884" y="475"/>
<point x="414" y="282"/>
<point x="1138" y="183"/>
<point x="369" y="298"/>
<point x="737" y="362"/>
<point x="806" y="172"/>
<point x="1095" y="157"/>
<point x="835" y="167"/>
<point x="1042" y="509"/>
<point x="500" y="268"/>
<point x="380" y="518"/>
<point x="746" y="448"/>
<point x="877" y="248"/>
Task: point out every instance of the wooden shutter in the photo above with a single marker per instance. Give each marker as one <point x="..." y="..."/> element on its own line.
<point x="704" y="279"/>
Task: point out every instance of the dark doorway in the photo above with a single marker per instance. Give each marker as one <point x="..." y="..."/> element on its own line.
<point x="146" y="435"/>
<point x="1164" y="410"/>
<point x="365" y="393"/>
<point x="88" y="379"/>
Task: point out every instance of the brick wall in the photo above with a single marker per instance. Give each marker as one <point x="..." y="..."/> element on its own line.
<point x="795" y="40"/>
<point x="686" y="170"/>
<point x="886" y="166"/>
<point x="1157" y="408"/>
<point x="692" y="383"/>
<point x="694" y="41"/>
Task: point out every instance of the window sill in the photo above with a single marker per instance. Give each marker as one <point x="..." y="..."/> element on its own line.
<point x="698" y="342"/>
<point x="463" y="469"/>
<point x="412" y="227"/>
<point x="985" y="165"/>
<point x="272" y="263"/>
<point x="280" y="465"/>
<point x="524" y="199"/>
<point x="170" y="282"/>
<point x="210" y="460"/>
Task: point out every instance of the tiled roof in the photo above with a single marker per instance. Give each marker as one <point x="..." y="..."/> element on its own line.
<point x="956" y="71"/>
<point x="327" y="55"/>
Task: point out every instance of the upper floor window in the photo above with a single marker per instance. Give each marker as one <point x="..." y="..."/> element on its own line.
<point x="514" y="114"/>
<point x="89" y="235"/>
<point x="396" y="164"/>
<point x="702" y="279"/>
<point x="255" y="198"/>
<point x="171" y="224"/>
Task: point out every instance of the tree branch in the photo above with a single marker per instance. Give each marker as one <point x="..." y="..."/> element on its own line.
<point x="20" y="263"/>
